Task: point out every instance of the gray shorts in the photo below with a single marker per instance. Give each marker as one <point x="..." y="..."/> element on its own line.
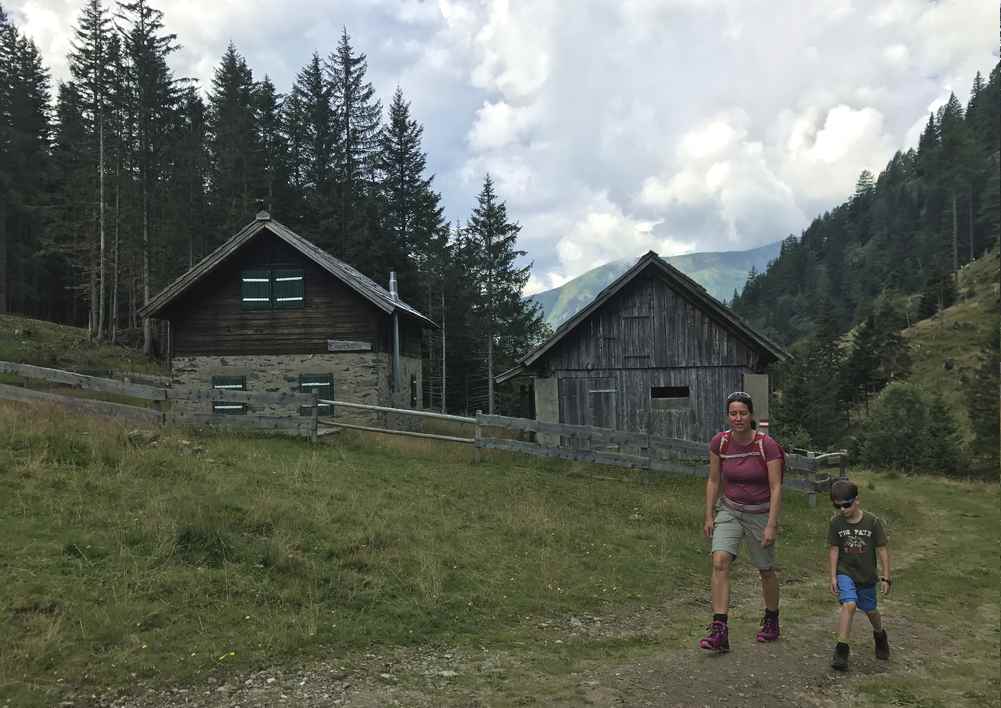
<point x="733" y="526"/>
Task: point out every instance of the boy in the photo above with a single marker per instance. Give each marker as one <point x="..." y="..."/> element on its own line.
<point x="855" y="538"/>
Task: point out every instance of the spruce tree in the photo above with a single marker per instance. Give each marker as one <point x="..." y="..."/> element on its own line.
<point x="508" y="323"/>
<point x="89" y="66"/>
<point x="153" y="96"/>
<point x="235" y="152"/>
<point x="354" y="223"/>
<point x="308" y="122"/>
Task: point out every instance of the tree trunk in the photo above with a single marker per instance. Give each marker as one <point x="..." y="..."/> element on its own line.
<point x="147" y="325"/>
<point x="970" y="220"/>
<point x="100" y="218"/>
<point x="955" y="237"/>
<point x="490" y="370"/>
<point x="443" y="350"/>
<point x="3" y="256"/>
<point x="114" y="278"/>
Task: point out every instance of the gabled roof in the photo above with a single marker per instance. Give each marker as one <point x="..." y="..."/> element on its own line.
<point x="679" y="282"/>
<point x="361" y="284"/>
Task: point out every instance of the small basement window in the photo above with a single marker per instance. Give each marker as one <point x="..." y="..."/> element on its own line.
<point x="229" y="383"/>
<point x="669" y="397"/>
<point x="323" y="386"/>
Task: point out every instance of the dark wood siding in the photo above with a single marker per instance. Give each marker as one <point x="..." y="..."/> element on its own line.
<point x="209" y="319"/>
<point x="649" y="336"/>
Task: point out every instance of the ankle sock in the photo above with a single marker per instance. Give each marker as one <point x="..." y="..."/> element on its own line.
<point x="772" y="613"/>
<point x="717" y="617"/>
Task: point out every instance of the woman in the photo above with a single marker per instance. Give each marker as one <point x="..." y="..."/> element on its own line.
<point x="749" y="464"/>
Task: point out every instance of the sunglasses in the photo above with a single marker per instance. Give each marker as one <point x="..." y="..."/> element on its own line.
<point x="844" y="504"/>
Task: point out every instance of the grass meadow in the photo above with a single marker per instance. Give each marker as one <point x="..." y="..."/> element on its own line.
<point x="162" y="557"/>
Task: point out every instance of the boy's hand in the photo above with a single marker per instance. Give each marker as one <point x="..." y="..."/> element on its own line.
<point x="769" y="535"/>
<point x="834" y="586"/>
<point x="884" y="586"/>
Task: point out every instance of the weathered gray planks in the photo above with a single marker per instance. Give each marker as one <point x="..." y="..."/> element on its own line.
<point x="300" y="426"/>
<point x="85" y="405"/>
<point x="90" y="383"/>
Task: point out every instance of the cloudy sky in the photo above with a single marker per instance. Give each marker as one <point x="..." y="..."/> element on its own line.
<point x="615" y="127"/>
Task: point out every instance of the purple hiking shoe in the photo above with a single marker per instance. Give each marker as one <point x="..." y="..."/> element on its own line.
<point x="718" y="639"/>
<point x="769" y="631"/>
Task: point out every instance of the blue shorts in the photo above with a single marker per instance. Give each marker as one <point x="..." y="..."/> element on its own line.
<point x="864" y="597"/>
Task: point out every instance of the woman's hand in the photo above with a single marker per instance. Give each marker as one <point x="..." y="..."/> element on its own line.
<point x="884" y="585"/>
<point x="708" y="526"/>
<point x="834" y="585"/>
<point x="771" y="532"/>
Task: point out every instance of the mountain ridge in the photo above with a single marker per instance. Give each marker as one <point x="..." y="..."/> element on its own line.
<point x="719" y="272"/>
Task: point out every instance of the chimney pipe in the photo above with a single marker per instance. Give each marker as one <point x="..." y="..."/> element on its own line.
<point x="394" y="294"/>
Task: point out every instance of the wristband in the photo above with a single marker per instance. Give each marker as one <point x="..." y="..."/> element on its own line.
<point x="886" y="580"/>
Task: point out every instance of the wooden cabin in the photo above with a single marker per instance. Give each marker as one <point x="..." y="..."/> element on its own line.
<point x="653" y="352"/>
<point x="270" y="311"/>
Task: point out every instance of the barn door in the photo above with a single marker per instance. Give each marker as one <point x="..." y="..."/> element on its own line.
<point x="601" y="403"/>
<point x="586" y="402"/>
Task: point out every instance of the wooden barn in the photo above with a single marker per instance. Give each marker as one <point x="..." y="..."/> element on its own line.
<point x="269" y="311"/>
<point x="653" y="352"/>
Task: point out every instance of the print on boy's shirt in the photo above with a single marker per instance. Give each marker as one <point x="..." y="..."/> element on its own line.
<point x="854" y="541"/>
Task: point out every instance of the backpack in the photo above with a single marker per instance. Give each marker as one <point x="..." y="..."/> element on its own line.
<point x="759" y="438"/>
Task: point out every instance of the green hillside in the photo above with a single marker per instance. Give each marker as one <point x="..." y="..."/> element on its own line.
<point x="945" y="348"/>
<point x="30" y="341"/>
<point x="719" y="273"/>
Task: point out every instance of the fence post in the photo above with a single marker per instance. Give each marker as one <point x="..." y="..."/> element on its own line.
<point x="812" y="494"/>
<point x="313" y="423"/>
<point x="477" y="436"/>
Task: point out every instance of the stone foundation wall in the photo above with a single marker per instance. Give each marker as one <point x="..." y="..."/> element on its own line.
<point x="359" y="377"/>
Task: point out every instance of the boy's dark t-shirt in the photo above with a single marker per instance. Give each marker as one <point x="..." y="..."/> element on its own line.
<point x="857" y="545"/>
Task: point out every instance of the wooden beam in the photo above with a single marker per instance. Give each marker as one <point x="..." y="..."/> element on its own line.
<point x="249" y="422"/>
<point x="83" y="405"/>
<point x="90" y="383"/>
<point x="223" y="394"/>
<point x="408" y="433"/>
<point x="402" y="411"/>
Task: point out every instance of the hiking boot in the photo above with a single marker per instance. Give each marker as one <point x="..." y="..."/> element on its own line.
<point x="840" y="659"/>
<point x="718" y="638"/>
<point x="769" y="631"/>
<point x="882" y="645"/>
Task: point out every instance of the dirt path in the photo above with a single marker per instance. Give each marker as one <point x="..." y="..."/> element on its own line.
<point x="791" y="672"/>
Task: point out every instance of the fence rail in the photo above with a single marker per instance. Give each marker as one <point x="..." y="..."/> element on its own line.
<point x="586" y="443"/>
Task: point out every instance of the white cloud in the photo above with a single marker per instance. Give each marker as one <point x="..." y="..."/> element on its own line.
<point x="614" y="128"/>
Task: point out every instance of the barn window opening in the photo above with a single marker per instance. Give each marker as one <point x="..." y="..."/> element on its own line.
<point x="229" y="383"/>
<point x="669" y="392"/>
<point x="323" y="386"/>
<point x="669" y="397"/>
<point x="272" y="289"/>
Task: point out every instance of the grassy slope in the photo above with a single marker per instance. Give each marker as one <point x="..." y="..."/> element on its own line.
<point x="161" y="562"/>
<point x="957" y="335"/>
<point x="29" y="341"/>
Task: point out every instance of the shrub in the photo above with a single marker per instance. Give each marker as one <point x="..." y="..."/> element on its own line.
<point x="910" y="429"/>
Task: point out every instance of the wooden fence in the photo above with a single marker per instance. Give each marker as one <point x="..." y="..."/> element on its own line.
<point x="582" y="443"/>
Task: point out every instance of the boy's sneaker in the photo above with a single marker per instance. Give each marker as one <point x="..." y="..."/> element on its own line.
<point x="718" y="638"/>
<point x="882" y="645"/>
<point x="840" y="659"/>
<point x="769" y="631"/>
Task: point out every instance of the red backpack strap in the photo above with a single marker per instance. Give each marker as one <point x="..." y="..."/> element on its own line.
<point x="724" y="441"/>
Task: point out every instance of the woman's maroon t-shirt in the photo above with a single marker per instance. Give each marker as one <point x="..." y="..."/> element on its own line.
<point x="745" y="479"/>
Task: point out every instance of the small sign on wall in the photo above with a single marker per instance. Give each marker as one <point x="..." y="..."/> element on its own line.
<point x="345" y="345"/>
